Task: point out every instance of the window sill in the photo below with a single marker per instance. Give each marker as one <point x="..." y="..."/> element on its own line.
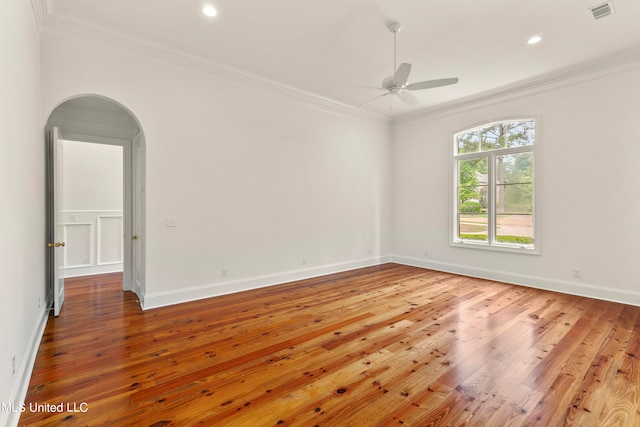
<point x="518" y="249"/>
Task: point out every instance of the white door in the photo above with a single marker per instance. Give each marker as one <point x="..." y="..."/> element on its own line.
<point x="57" y="244"/>
<point x="137" y="237"/>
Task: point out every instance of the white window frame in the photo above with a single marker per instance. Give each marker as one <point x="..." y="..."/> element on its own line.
<point x="492" y="244"/>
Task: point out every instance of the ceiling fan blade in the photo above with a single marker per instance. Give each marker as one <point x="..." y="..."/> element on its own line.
<point x="375" y="97"/>
<point x="363" y="87"/>
<point x="408" y="97"/>
<point x="402" y="74"/>
<point x="428" y="84"/>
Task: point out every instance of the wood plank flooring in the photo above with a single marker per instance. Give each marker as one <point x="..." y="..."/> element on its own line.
<point x="380" y="346"/>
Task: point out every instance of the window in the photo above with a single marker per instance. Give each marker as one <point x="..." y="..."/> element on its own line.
<point x="494" y="186"/>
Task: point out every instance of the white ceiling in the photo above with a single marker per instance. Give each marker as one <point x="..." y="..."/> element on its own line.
<point x="320" y="46"/>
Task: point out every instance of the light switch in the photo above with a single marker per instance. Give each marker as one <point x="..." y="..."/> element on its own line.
<point x="171" y="222"/>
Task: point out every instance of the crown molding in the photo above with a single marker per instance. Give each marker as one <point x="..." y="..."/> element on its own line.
<point x="51" y="24"/>
<point x="41" y="9"/>
<point x="616" y="62"/>
<point x="54" y="25"/>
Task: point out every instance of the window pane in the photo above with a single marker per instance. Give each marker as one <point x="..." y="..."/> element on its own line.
<point x="472" y="198"/>
<point x="472" y="226"/>
<point x="493" y="137"/>
<point x="473" y="181"/>
<point x="520" y="134"/>
<point x="516" y="229"/>
<point x="514" y="198"/>
<point x="496" y="137"/>
<point x="468" y="142"/>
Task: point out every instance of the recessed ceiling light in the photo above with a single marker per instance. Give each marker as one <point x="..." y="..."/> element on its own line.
<point x="534" y="40"/>
<point x="209" y="10"/>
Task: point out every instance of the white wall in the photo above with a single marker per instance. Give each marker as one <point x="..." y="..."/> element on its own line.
<point x="92" y="177"/>
<point x="257" y="180"/>
<point x="589" y="203"/>
<point x="22" y="252"/>
<point x="92" y="204"/>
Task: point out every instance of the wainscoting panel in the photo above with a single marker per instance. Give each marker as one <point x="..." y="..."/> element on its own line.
<point x="78" y="250"/>
<point x="110" y="239"/>
<point x="93" y="242"/>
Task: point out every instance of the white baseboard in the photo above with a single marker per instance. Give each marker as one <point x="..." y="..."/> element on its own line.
<point x="81" y="272"/>
<point x="162" y="299"/>
<point x="23" y="375"/>
<point x="563" y="286"/>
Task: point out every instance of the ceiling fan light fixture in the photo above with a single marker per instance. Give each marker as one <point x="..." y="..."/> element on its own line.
<point x="209" y="10"/>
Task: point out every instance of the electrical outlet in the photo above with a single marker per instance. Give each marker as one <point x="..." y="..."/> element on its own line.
<point x="577" y="273"/>
<point x="304" y="261"/>
<point x="13" y="365"/>
<point x="39" y="302"/>
<point x="426" y="254"/>
<point x="171" y="222"/>
<point x="225" y="272"/>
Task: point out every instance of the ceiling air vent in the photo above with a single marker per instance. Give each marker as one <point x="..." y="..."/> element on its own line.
<point x="602" y="11"/>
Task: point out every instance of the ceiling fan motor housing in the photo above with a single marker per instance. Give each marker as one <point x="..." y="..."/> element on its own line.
<point x="390" y="85"/>
<point x="395" y="27"/>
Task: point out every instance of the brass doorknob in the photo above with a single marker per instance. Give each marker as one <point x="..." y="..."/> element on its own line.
<point x="134" y="237"/>
<point x="55" y="245"/>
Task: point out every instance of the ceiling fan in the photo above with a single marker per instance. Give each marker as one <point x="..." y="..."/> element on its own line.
<point x="398" y="83"/>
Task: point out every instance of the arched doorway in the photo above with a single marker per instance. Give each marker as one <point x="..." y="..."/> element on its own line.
<point x="95" y="119"/>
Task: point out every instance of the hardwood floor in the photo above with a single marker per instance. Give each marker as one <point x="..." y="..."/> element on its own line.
<point x="380" y="346"/>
